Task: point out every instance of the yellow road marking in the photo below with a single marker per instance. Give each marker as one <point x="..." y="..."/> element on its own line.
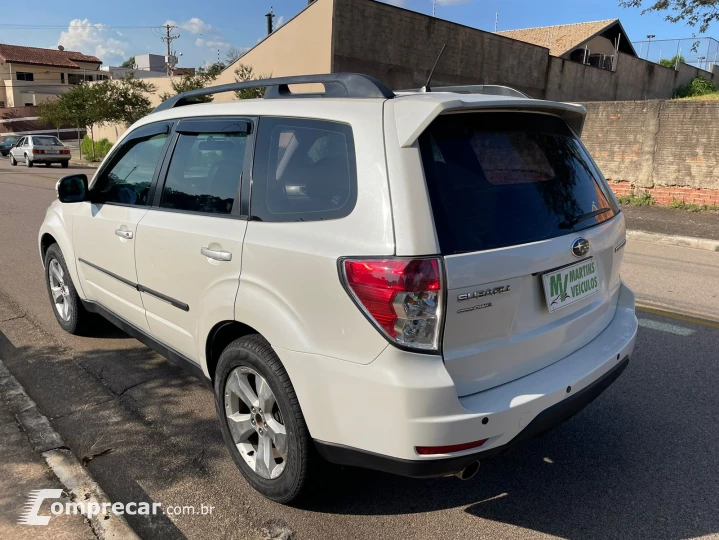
<point x="701" y="320"/>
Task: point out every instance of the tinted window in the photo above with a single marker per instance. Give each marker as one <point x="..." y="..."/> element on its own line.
<point x="304" y="170"/>
<point x="502" y="179"/>
<point x="46" y="141"/>
<point x="204" y="173"/>
<point x="128" y="178"/>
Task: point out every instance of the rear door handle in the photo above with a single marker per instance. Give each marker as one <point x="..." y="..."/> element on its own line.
<point x="124" y="234"/>
<point x="217" y="255"/>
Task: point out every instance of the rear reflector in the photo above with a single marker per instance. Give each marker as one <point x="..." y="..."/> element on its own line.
<point x="402" y="297"/>
<point x="429" y="450"/>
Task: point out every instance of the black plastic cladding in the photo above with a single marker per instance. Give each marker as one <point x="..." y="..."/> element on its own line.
<point x="347" y="85"/>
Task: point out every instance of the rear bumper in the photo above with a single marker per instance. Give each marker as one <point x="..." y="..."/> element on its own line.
<point x="375" y="415"/>
<point x="542" y="423"/>
<point x="55" y="158"/>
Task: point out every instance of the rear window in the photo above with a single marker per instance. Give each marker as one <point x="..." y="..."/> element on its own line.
<point x="503" y="179"/>
<point x="46" y="141"/>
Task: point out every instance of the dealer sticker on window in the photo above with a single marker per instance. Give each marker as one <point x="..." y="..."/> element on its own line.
<point x="570" y="284"/>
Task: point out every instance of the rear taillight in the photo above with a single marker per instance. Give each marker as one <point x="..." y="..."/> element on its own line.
<point x="402" y="297"/>
<point x="37" y="151"/>
<point x="65" y="152"/>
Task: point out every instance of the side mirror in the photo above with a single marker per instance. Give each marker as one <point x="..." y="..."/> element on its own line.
<point x="72" y="188"/>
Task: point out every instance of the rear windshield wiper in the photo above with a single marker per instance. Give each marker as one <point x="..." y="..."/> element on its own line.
<point x="572" y="222"/>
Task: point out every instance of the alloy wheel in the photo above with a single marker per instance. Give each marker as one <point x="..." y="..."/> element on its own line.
<point x="255" y="422"/>
<point x="59" y="290"/>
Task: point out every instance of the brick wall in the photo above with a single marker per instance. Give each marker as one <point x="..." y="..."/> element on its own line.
<point x="667" y="148"/>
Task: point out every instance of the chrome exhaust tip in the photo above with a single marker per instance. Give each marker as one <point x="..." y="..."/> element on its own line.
<point x="469" y="471"/>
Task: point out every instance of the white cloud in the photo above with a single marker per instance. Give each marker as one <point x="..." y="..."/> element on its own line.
<point x="280" y="21"/>
<point x="194" y="26"/>
<point x="94" y="39"/>
<point x="212" y="43"/>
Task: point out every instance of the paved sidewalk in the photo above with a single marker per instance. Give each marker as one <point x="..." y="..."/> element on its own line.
<point x="672" y="222"/>
<point x="23" y="470"/>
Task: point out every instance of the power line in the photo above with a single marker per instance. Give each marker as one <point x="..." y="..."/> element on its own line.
<point x="65" y="27"/>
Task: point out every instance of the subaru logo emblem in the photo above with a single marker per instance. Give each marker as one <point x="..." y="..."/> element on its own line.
<point x="580" y="247"/>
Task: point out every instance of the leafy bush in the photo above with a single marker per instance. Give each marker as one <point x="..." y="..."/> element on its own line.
<point x="699" y="86"/>
<point x="637" y="198"/>
<point x="102" y="147"/>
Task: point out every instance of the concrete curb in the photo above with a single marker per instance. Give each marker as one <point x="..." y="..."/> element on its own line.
<point x="72" y="475"/>
<point x="669" y="240"/>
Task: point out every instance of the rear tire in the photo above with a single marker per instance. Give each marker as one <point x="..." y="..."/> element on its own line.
<point x="28" y="163"/>
<point x="13" y="161"/>
<point x="249" y="363"/>
<point x="64" y="300"/>
<point x="65" y="164"/>
<point x="47" y="164"/>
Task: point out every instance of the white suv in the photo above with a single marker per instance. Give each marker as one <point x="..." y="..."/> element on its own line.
<point x="407" y="282"/>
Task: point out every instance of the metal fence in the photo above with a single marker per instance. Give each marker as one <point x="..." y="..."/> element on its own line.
<point x="702" y="53"/>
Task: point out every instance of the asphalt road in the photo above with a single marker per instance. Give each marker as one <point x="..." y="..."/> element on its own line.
<point x="640" y="462"/>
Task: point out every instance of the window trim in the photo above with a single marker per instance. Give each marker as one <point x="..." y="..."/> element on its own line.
<point x="297" y="121"/>
<point x="139" y="133"/>
<point x="245" y="176"/>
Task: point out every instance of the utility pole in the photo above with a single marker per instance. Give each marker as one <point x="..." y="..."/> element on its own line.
<point x="168" y="38"/>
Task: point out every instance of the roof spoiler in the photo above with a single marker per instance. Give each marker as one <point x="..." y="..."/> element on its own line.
<point x="342" y="85"/>
<point x="413" y="116"/>
<point x="486" y="89"/>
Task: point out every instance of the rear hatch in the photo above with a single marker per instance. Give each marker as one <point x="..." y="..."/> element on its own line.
<point x="49" y="145"/>
<point x="531" y="237"/>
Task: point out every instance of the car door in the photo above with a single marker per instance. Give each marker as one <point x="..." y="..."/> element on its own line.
<point x="189" y="244"/>
<point x="17" y="151"/>
<point x="104" y="228"/>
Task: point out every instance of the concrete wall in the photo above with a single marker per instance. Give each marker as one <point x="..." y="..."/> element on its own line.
<point x="399" y="47"/>
<point x="670" y="148"/>
<point x="300" y="46"/>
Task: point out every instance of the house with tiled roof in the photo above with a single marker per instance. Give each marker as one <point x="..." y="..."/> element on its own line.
<point x="31" y="75"/>
<point x="593" y="43"/>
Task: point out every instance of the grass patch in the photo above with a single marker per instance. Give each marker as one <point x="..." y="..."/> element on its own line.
<point x="707" y="97"/>
<point x="691" y="207"/>
<point x="642" y="198"/>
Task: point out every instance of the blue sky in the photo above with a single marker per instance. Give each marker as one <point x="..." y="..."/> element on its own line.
<point x="110" y="29"/>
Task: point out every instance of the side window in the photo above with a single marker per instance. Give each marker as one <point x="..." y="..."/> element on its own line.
<point x="21" y="142"/>
<point x="204" y="173"/>
<point x="304" y="170"/>
<point x="128" y="177"/>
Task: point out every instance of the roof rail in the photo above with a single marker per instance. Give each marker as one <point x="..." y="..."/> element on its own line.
<point x="346" y="85"/>
<point x="487" y="89"/>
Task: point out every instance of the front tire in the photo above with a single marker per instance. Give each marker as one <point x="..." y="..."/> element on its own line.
<point x="261" y="419"/>
<point x="13" y="161"/>
<point x="65" y="302"/>
<point x="28" y="163"/>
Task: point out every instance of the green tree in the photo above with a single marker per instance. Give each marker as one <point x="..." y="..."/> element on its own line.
<point x="244" y="73"/>
<point x="201" y="79"/>
<point x="699" y="13"/>
<point x="672" y="62"/>
<point x="91" y="105"/>
<point x="51" y="112"/>
<point x="129" y="63"/>
<point x="233" y="54"/>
